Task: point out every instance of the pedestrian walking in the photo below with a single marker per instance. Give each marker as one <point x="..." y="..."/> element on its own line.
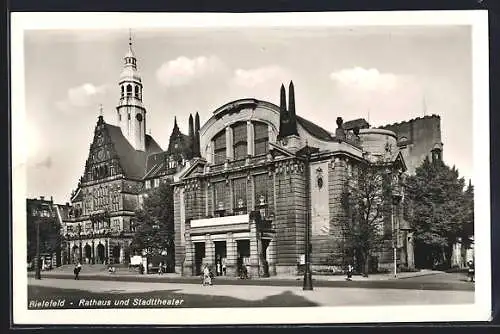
<point x="471" y="271"/>
<point x="76" y="271"/>
<point x="350" y="269"/>
<point x="219" y="269"/>
<point x="207" y="279"/>
<point x="224" y="266"/>
<point x="160" y="268"/>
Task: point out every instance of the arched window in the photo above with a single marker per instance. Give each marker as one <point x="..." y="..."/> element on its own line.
<point x="123" y="91"/>
<point x="261" y="138"/>
<point x="220" y="147"/>
<point x="240" y="141"/>
<point x="129" y="90"/>
<point x="137" y="92"/>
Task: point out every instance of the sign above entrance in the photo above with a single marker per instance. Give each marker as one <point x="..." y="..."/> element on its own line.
<point x="227" y="220"/>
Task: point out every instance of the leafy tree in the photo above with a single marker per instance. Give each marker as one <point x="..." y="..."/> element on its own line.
<point x="440" y="211"/>
<point x="365" y="202"/>
<point x="155" y="221"/>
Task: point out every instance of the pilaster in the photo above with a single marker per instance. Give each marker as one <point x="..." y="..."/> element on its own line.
<point x="231" y="260"/>
<point x="229" y="143"/>
<point x="209" y="251"/>
<point x="187" y="267"/>
<point x="254" y="250"/>
<point x="250" y="139"/>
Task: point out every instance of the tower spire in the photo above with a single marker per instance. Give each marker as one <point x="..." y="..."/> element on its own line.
<point x="284" y="119"/>
<point x="130" y="110"/>
<point x="291" y="109"/>
<point x="100" y="110"/>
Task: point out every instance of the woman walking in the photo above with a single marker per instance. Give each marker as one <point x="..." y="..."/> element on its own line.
<point x="207" y="279"/>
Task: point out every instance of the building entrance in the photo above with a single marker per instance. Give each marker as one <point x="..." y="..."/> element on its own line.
<point x="199" y="255"/>
<point x="220" y="257"/>
<point x="100" y="253"/>
<point x="88" y="253"/>
<point x="243" y="253"/>
<point x="116" y="254"/>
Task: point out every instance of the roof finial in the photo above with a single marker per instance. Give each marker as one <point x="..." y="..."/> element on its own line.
<point x="130" y="37"/>
<point x="100" y="109"/>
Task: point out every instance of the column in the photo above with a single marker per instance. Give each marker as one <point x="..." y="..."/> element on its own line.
<point x="106" y="251"/>
<point x="270" y="134"/>
<point x="210" y="152"/>
<point x="188" y="265"/>
<point x="92" y="253"/>
<point x="231" y="258"/>
<point x="70" y="256"/>
<point x="229" y="143"/>
<point x="80" y="252"/>
<point x="254" y="251"/>
<point x="209" y="251"/>
<point x="271" y="257"/>
<point x="250" y="138"/>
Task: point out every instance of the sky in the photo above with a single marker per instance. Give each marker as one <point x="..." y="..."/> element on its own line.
<point x="383" y="74"/>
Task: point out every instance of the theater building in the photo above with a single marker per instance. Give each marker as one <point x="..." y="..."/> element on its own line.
<point x="262" y="171"/>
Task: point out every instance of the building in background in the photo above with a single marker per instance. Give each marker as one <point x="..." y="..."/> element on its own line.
<point x="51" y="222"/>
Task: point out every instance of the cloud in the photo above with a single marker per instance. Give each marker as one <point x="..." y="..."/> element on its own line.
<point x="183" y="70"/>
<point x="45" y="163"/>
<point x="382" y="97"/>
<point x="82" y="96"/>
<point x="365" y="79"/>
<point x="259" y="76"/>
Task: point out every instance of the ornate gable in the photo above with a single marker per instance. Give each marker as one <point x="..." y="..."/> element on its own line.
<point x="103" y="160"/>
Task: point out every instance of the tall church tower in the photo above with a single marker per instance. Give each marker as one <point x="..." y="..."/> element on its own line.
<point x="130" y="110"/>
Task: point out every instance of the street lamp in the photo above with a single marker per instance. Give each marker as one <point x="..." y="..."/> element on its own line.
<point x="37" y="263"/>
<point x="306" y="152"/>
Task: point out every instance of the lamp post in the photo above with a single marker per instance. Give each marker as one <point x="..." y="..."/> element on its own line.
<point x="306" y="152"/>
<point x="37" y="263"/>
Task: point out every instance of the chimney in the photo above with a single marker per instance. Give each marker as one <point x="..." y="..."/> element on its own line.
<point x="42" y="198"/>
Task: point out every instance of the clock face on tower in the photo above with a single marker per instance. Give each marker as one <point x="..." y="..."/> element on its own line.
<point x="139" y="117"/>
<point x="100" y="155"/>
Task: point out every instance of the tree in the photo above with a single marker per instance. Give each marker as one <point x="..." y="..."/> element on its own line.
<point x="365" y="202"/>
<point x="155" y="221"/>
<point x="441" y="212"/>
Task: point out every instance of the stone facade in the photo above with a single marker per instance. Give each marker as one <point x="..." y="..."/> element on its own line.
<point x="269" y="220"/>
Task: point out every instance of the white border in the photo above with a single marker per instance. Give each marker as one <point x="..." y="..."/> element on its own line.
<point x="481" y="310"/>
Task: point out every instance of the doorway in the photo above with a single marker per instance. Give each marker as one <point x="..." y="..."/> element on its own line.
<point x="199" y="255"/>
<point x="100" y="253"/>
<point x="220" y="256"/>
<point x="88" y="253"/>
<point x="243" y="252"/>
<point x="116" y="254"/>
